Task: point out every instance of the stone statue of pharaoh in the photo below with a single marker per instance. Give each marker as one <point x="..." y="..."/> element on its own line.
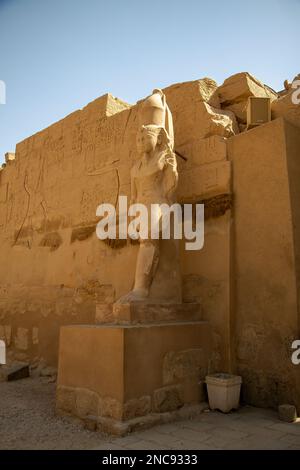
<point x="154" y="180"/>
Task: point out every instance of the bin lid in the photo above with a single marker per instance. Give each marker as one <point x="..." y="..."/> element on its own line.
<point x="223" y="379"/>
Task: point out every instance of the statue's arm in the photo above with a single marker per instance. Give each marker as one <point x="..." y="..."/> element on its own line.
<point x="171" y="179"/>
<point x="133" y="197"/>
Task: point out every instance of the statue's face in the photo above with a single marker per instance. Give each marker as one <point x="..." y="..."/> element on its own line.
<point x="146" y="141"/>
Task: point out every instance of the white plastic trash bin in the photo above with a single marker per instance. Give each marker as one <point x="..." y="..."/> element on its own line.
<point x="223" y="391"/>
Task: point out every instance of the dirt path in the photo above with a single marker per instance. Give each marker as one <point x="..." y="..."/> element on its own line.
<point x="28" y="419"/>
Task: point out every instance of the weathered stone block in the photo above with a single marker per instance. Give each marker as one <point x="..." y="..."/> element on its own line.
<point x="287" y="413"/>
<point x="66" y="399"/>
<point x="205" y="181"/>
<point x="240" y="86"/>
<point x="209" y="150"/>
<point x="110" y="408"/>
<point x="284" y="107"/>
<point x="48" y="371"/>
<point x="130" y="371"/>
<point x="104" y="313"/>
<point x="87" y="402"/>
<point x="168" y="398"/>
<point x="91" y="423"/>
<point x="180" y="95"/>
<point x="214" y="121"/>
<point x="235" y="91"/>
<point x="106" y="105"/>
<point x="239" y="110"/>
<point x="137" y="407"/>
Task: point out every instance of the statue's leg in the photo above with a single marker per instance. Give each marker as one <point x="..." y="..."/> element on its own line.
<point x="147" y="261"/>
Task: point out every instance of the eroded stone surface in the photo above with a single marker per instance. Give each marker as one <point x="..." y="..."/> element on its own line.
<point x="168" y="398"/>
<point x="236" y="90"/>
<point x="87" y="402"/>
<point x="66" y="399"/>
<point x="110" y="408"/>
<point x="287" y="413"/>
<point x="240" y="86"/>
<point x="137" y="407"/>
<point x="286" y="108"/>
<point x="182" y="364"/>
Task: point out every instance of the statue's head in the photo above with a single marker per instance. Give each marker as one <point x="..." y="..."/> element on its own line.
<point x="150" y="137"/>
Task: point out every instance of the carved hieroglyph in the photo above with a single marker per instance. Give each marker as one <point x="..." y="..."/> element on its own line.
<point x="154" y="180"/>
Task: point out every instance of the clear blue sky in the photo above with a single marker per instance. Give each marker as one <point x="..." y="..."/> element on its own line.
<point x="57" y="55"/>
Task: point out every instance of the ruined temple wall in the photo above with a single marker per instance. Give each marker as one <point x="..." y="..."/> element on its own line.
<point x="52" y="264"/>
<point x="53" y="269"/>
<point x="292" y="141"/>
<point x="292" y="136"/>
<point x="265" y="314"/>
<point x="206" y="279"/>
<point x="201" y="133"/>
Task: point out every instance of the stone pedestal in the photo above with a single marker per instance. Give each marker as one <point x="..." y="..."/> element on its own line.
<point x="120" y="377"/>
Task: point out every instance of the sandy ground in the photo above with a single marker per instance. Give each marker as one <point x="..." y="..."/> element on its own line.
<point x="28" y="421"/>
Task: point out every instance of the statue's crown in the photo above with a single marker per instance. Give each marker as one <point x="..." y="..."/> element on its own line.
<point x="155" y="111"/>
<point x="152" y="110"/>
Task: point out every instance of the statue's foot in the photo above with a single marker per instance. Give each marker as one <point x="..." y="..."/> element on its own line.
<point x="136" y="295"/>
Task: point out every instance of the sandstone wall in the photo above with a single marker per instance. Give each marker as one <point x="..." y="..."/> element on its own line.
<point x="53" y="269"/>
<point x="265" y="254"/>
